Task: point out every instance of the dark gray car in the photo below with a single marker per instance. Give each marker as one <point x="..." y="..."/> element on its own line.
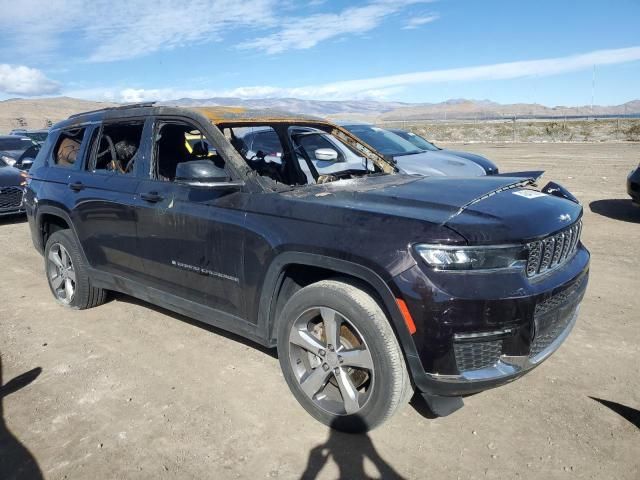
<point x="11" y="189"/>
<point x="18" y="151"/>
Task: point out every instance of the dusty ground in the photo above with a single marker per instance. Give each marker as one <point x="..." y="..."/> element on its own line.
<point x="129" y="391"/>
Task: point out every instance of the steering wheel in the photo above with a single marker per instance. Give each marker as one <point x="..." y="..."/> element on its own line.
<point x="115" y="165"/>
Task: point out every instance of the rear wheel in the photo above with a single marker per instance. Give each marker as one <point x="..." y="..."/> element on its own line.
<point x="67" y="274"/>
<point x="340" y="357"/>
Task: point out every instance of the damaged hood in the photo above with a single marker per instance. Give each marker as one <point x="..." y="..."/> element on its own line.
<point x="483" y="210"/>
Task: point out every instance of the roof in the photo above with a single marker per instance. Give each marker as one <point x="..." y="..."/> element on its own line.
<point x="250" y="115"/>
<point x="215" y="114"/>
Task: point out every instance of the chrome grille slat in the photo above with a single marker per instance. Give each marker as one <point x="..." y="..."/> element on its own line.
<point x="10" y="197"/>
<point x="553" y="251"/>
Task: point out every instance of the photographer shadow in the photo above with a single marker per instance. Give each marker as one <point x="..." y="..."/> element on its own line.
<point x="16" y="462"/>
<point x="349" y="452"/>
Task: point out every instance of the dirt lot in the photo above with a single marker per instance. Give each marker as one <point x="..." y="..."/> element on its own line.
<point x="130" y="391"/>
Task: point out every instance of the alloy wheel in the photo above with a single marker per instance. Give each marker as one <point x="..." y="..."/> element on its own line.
<point x="331" y="361"/>
<point x="61" y="274"/>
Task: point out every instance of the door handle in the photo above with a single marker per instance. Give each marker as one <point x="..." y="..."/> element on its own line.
<point x="152" y="197"/>
<point x="76" y="186"/>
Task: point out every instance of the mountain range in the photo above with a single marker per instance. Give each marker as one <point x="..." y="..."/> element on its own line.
<point x="39" y="113"/>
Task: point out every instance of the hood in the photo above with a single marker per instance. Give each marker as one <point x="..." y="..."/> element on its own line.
<point x="10" y="176"/>
<point x="438" y="163"/>
<point x="489" y="167"/>
<point x="483" y="210"/>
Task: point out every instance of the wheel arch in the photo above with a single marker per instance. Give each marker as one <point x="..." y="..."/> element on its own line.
<point x="50" y="219"/>
<point x="284" y="268"/>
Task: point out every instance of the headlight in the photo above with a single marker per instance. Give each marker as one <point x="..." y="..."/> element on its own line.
<point x="9" y="160"/>
<point x="445" y="257"/>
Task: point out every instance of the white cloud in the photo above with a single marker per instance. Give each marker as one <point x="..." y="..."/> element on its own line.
<point x="21" y="80"/>
<point x="112" y="30"/>
<point x="109" y="30"/>
<point x="387" y="86"/>
<point x="306" y="32"/>
<point x="416" y="22"/>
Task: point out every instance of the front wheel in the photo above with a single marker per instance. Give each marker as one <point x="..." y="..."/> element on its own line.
<point x="340" y="356"/>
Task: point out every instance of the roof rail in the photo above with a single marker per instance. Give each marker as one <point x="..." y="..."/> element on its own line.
<point x="119" y="107"/>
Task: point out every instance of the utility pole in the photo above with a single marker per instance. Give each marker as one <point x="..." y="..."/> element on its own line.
<point x="593" y="89"/>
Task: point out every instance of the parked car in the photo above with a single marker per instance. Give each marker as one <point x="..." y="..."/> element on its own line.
<point x="371" y="283"/>
<point x="490" y="168"/>
<point x="12" y="183"/>
<point x="18" y="151"/>
<point x="633" y="185"/>
<point x="38" y="136"/>
<point x="412" y="159"/>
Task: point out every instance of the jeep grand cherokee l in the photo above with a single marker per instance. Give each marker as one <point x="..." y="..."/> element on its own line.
<point x="370" y="283"/>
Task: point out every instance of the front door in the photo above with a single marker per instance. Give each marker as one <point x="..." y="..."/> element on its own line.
<point x="190" y="238"/>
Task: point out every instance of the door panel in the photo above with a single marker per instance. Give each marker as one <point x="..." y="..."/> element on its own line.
<point x="191" y="241"/>
<point x="105" y="217"/>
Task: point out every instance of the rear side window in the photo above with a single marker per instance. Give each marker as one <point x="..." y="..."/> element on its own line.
<point x="116" y="148"/>
<point x="66" y="151"/>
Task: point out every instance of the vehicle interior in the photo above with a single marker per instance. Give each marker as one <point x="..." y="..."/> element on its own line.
<point x="68" y="146"/>
<point x="118" y="147"/>
<point x="176" y="143"/>
<point x="292" y="154"/>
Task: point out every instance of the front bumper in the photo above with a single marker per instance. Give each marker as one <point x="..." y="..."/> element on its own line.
<point x="475" y="332"/>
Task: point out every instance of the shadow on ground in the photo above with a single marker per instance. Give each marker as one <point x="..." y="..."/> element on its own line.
<point x="121" y="297"/>
<point x="630" y="414"/>
<point x="12" y="219"/>
<point x="349" y="452"/>
<point x="16" y="462"/>
<point x="617" y="209"/>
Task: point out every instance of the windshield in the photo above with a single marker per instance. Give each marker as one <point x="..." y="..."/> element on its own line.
<point x="382" y="140"/>
<point x="417" y="140"/>
<point x="39" y="137"/>
<point x="15" y="143"/>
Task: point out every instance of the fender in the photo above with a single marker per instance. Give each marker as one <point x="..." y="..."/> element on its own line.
<point x="273" y="279"/>
<point x="49" y="209"/>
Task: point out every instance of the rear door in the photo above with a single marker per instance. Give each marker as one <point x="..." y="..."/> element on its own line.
<point x="191" y="238"/>
<point x="104" y="190"/>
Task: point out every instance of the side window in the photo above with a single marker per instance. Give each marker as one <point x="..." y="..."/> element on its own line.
<point x="262" y="149"/>
<point x="67" y="148"/>
<point x="178" y="143"/>
<point x="116" y="148"/>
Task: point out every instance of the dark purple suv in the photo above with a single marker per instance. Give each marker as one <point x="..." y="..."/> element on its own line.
<point x="371" y="284"/>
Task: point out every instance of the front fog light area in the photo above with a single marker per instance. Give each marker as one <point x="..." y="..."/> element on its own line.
<point x="443" y="257"/>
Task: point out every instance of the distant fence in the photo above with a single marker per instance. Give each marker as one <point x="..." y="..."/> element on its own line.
<point x="523" y="130"/>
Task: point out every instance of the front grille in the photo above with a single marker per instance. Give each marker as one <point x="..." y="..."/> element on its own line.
<point x="546" y="337"/>
<point x="553" y="315"/>
<point x="553" y="251"/>
<point x="477" y="355"/>
<point x="10" y="197"/>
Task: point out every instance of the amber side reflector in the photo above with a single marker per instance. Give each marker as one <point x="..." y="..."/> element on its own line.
<point x="406" y="315"/>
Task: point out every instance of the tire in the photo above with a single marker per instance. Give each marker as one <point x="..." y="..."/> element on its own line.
<point x="64" y="266"/>
<point x="345" y="388"/>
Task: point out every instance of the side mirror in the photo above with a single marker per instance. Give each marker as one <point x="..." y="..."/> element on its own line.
<point x="326" y="154"/>
<point x="24" y="164"/>
<point x="203" y="173"/>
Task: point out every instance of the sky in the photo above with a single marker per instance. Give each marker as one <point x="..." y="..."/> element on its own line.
<point x="416" y="51"/>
